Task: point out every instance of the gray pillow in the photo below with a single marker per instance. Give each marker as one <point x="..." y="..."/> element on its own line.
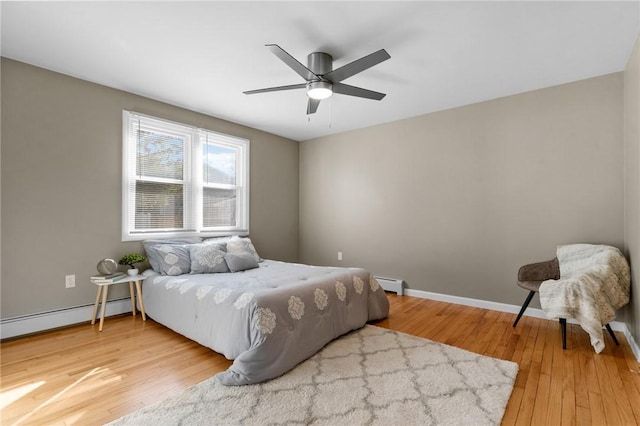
<point x="172" y="259"/>
<point x="154" y="260"/>
<point x="207" y="258"/>
<point x="240" y="262"/>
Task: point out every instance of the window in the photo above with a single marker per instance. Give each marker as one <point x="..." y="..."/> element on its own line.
<point x="182" y="181"/>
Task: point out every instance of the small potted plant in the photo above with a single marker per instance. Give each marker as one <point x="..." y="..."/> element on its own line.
<point x="131" y="259"/>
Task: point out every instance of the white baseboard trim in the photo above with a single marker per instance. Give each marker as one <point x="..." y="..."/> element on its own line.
<point x="27" y="324"/>
<point x="19" y="326"/>
<point x="634" y="346"/>
<point x="514" y="309"/>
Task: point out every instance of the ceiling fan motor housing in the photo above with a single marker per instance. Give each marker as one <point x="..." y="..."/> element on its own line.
<point x="320" y="63"/>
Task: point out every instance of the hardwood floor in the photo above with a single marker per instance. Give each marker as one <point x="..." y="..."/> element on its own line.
<point x="80" y="376"/>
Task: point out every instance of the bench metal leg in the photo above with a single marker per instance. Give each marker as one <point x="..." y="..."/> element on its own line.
<point x="524" y="307"/>
<point x="563" y="327"/>
<point x="613" y="336"/>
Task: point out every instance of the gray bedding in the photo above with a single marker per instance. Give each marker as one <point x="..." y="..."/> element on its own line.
<point x="267" y="319"/>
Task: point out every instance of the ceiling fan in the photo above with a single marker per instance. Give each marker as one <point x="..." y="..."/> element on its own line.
<point x="322" y="80"/>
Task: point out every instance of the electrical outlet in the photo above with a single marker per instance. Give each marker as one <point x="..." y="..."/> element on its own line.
<point x="339" y="255"/>
<point x="70" y="281"/>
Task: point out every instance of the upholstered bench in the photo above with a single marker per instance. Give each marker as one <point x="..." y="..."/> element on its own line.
<point x="531" y="276"/>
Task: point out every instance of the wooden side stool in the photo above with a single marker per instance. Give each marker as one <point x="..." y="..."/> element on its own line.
<point x="103" y="289"/>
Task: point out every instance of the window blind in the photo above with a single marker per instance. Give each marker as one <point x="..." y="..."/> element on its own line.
<point x="159" y="186"/>
<point x="180" y="180"/>
<point x="222" y="188"/>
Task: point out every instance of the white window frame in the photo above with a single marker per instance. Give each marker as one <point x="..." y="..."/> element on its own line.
<point x="193" y="180"/>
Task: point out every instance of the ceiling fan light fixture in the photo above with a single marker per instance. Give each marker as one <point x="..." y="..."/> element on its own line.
<point x="319" y="90"/>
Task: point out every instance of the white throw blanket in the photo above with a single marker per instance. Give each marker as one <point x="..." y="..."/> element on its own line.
<point x="594" y="282"/>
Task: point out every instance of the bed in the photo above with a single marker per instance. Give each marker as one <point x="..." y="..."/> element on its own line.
<point x="267" y="317"/>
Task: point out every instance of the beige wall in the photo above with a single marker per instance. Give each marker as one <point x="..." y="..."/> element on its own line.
<point x="455" y="201"/>
<point x="452" y="202"/>
<point x="61" y="185"/>
<point x="632" y="184"/>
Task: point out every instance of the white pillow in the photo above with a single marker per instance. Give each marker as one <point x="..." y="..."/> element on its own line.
<point x="239" y="245"/>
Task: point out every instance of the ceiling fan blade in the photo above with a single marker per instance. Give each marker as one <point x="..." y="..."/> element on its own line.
<point x="345" y="89"/>
<point x="312" y="106"/>
<point x="292" y="62"/>
<point x="357" y="66"/>
<point x="275" y="89"/>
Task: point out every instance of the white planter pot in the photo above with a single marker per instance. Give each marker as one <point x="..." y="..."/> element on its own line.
<point x="132" y="272"/>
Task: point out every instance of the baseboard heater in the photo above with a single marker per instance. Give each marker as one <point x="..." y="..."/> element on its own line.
<point x="391" y="284"/>
<point x="35" y="323"/>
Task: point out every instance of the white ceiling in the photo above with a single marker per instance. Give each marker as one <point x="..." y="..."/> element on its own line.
<point x="203" y="55"/>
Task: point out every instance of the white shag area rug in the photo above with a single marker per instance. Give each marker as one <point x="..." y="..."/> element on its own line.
<point x="369" y="376"/>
